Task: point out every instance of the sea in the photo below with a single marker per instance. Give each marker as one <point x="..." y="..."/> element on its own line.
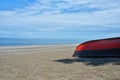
<point x="23" y="42"/>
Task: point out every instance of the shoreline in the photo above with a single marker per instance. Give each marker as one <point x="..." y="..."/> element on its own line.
<point x="36" y="45"/>
<point x="26" y="49"/>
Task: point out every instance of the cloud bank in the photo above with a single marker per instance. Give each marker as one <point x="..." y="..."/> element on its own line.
<point x="68" y="16"/>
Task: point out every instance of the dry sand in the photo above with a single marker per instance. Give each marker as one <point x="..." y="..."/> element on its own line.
<point x="54" y="62"/>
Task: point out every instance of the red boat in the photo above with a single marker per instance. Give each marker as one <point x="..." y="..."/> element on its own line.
<point x="109" y="47"/>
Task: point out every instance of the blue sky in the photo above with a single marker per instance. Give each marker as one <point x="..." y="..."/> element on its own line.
<point x="61" y="19"/>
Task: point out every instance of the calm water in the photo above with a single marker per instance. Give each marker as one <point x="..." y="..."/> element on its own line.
<point x="17" y="42"/>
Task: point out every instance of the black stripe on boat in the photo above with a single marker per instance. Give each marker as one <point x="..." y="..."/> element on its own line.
<point x="98" y="53"/>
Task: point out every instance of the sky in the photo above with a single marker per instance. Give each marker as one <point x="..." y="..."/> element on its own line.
<point x="60" y="19"/>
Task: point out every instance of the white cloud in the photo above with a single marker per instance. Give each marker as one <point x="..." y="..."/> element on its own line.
<point x="58" y="6"/>
<point x="53" y="15"/>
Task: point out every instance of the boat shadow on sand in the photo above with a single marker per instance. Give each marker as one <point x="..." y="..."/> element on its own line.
<point x="91" y="61"/>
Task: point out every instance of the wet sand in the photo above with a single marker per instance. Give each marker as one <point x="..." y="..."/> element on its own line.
<point x="54" y="62"/>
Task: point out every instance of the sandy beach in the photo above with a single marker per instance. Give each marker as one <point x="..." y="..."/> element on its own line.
<point x="54" y="62"/>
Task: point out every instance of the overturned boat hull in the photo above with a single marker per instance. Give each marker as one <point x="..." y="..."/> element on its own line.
<point x="99" y="48"/>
